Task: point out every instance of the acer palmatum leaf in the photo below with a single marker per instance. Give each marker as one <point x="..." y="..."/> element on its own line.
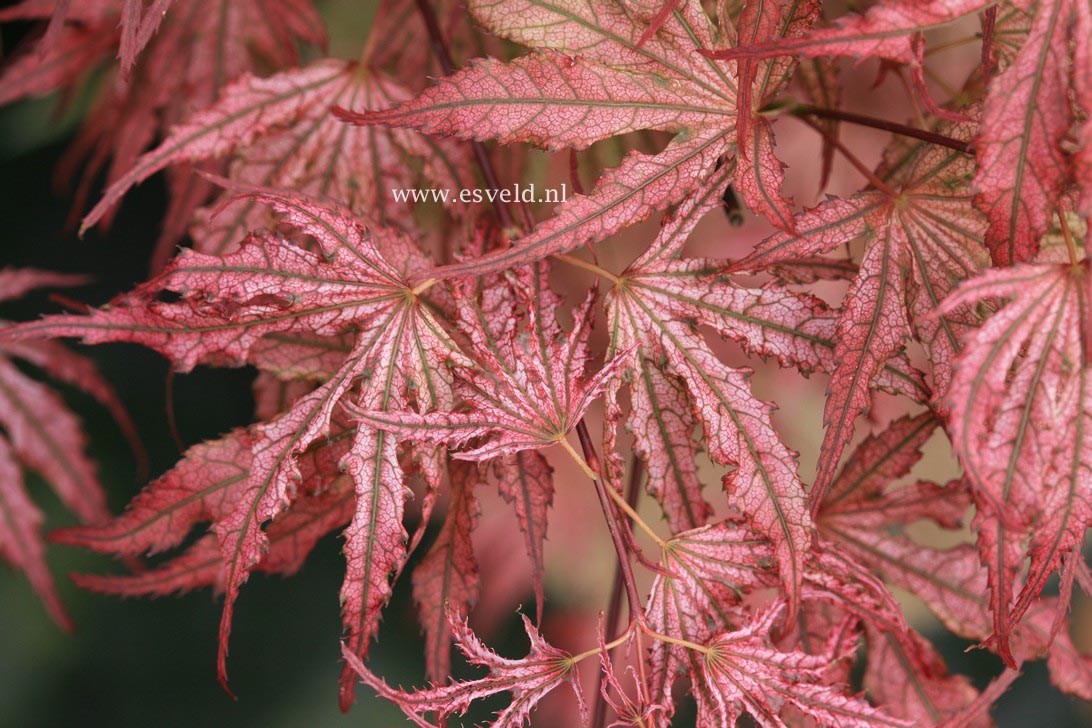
<point x="885" y="30"/>
<point x="188" y="56"/>
<point x="677" y="381"/>
<point x="526" y="390"/>
<point x="273" y="286"/>
<point x="914" y="683"/>
<point x="922" y="242"/>
<point x="291" y="538"/>
<point x="526" y="481"/>
<point x="760" y="174"/>
<point x="528" y="680"/>
<point x="869" y="521"/>
<point x="447" y="577"/>
<point x="42" y="434"/>
<point x="744" y="673"/>
<point x="588" y="80"/>
<point x="200" y="488"/>
<point x="1023" y="162"/>
<point x="228" y="303"/>
<point x="281" y="135"/>
<point x="20" y="543"/>
<point x="706" y="572"/>
<point x="1021" y="407"/>
<point x="629" y="709"/>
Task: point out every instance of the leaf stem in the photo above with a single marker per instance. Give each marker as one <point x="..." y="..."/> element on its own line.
<point x="610" y="646"/>
<point x="953" y="44"/>
<point x="1070" y="245"/>
<point x="611" y="492"/>
<point x="423" y="286"/>
<point x="614" y="524"/>
<point x="851" y="158"/>
<point x="632" y="596"/>
<point x="675" y="640"/>
<point x="805" y="110"/>
<point x="587" y="265"/>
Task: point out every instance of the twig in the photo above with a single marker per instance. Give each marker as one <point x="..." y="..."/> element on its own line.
<point x="614" y="611"/>
<point x="805" y="110"/>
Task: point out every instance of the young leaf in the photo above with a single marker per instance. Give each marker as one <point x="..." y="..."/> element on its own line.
<point x="526" y="392"/>
<point x="528" y="680"/>
<point x="744" y="673"/>
<point x="923" y="240"/>
<point x="447" y="578"/>
<point x="1021" y="402"/>
<point x="591" y="79"/>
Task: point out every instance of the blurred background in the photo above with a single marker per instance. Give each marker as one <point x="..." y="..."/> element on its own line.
<point x="142" y="662"/>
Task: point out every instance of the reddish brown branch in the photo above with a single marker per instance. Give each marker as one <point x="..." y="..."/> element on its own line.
<point x="613" y="520"/>
<point x="884" y="125"/>
<point x="614" y="611"/>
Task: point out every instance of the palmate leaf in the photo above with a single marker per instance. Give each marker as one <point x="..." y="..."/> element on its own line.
<point x="591" y="79"/>
<point x="884" y="30"/>
<point x="280" y="134"/>
<point x="708" y="575"/>
<point x="273" y="286"/>
<point x="525" y="392"/>
<point x="744" y="673"/>
<point x="528" y="680"/>
<point x="41" y="433"/>
<point x="676" y="381"/>
<point x="1023" y="163"/>
<point x="526" y="481"/>
<point x="188" y="56"/>
<point x="914" y="683"/>
<point x="858" y="506"/>
<point x="1021" y="409"/>
<point x="867" y="520"/>
<point x="447" y="577"/>
<point x="922" y="242"/>
<point x="291" y="539"/>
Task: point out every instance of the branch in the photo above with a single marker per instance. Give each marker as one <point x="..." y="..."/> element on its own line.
<point x="614" y="611"/>
<point x="891" y="126"/>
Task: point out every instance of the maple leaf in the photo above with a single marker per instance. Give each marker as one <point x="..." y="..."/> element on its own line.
<point x="188" y="55"/>
<point x="676" y="381"/>
<point x="447" y="577"/>
<point x="527" y="483"/>
<point x="591" y="78"/>
<point x="280" y="134"/>
<point x="760" y="174"/>
<point x="42" y="434"/>
<point x="1023" y="165"/>
<point x="528" y="680"/>
<point x="744" y="673"/>
<point x="868" y="521"/>
<point x="270" y="287"/>
<point x="291" y="538"/>
<point x="923" y="239"/>
<point x="638" y="710"/>
<point x="706" y="572"/>
<point x="526" y="391"/>
<point x="885" y="30"/>
<point x="1021" y="408"/>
